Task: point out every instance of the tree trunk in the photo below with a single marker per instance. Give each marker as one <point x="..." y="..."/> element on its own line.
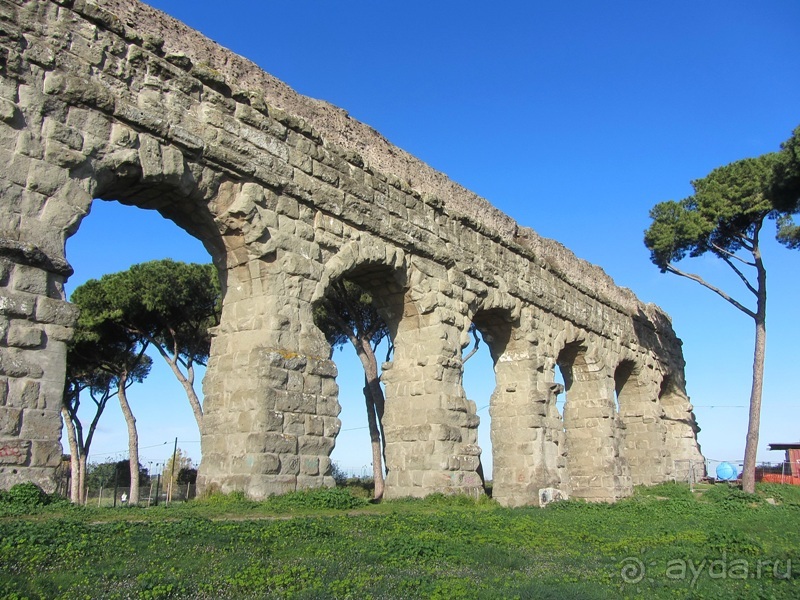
<point x="84" y="493"/>
<point x="374" y="382"/>
<point x="74" y="465"/>
<point x="375" y="440"/>
<point x="133" y="441"/>
<point x="186" y="381"/>
<point x="373" y="395"/>
<point x="751" y="446"/>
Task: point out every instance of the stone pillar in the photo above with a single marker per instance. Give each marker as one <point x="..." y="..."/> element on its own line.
<point x="527" y="433"/>
<point x="643" y="431"/>
<point x="35" y="323"/>
<point x="271" y="409"/>
<point x="683" y="460"/>
<point x="431" y="428"/>
<point x="596" y="470"/>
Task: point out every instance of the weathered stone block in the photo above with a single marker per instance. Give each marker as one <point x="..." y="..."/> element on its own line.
<point x="294" y="423"/>
<point x="16" y="363"/>
<point x="14" y="452"/>
<point x="10" y="421"/>
<point x="332" y="426"/>
<point x="295" y="402"/>
<point x="445" y="433"/>
<point x="276" y="443"/>
<point x="46" y="453"/>
<point x="58" y="333"/>
<point x="315" y="425"/>
<point x="16" y="305"/>
<point x="412" y="434"/>
<point x="58" y="312"/>
<point x="28" y="394"/>
<point x="263" y="463"/>
<point x="30" y="280"/>
<point x="40" y="425"/>
<point x="314" y="445"/>
<point x="328" y="406"/>
<point x="290" y="464"/>
<point x="22" y="334"/>
<point x="309" y="465"/>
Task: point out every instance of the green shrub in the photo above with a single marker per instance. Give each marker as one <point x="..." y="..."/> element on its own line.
<point x="782" y="493"/>
<point x="339" y="476"/>
<point x="217" y="499"/>
<point x="439" y="500"/>
<point x="671" y="489"/>
<point x="321" y="498"/>
<point x="731" y="497"/>
<point x="23" y="498"/>
<point x="734" y="543"/>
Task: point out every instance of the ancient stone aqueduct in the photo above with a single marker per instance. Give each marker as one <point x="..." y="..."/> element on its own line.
<point x="114" y="100"/>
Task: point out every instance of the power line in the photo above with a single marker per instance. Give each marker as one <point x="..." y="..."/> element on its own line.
<point x="115" y="452"/>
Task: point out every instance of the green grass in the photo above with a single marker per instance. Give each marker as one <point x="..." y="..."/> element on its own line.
<point x="665" y="542"/>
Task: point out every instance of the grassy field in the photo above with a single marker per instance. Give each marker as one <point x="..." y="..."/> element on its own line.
<point x="665" y="542"/>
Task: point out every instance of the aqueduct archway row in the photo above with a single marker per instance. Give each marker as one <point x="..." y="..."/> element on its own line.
<point x="116" y="100"/>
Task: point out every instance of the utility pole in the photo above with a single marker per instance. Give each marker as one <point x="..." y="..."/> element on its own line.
<point x="158" y="483"/>
<point x="172" y="475"/>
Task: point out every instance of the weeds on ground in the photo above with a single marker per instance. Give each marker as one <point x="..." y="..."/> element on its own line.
<point x="329" y="544"/>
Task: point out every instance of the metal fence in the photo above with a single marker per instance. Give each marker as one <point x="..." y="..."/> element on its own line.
<point x="148" y="495"/>
<point x="690" y="471"/>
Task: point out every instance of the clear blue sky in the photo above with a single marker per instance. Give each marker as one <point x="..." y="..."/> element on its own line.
<point x="574" y="117"/>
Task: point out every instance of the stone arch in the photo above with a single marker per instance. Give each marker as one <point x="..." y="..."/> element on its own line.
<point x="358" y="257"/>
<point x="377" y="270"/>
<point x="527" y="443"/>
<point x="114" y="163"/>
<point x="640" y="429"/>
<point x="596" y="470"/>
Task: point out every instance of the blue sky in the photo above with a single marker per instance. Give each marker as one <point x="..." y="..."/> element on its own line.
<point x="574" y="117"/>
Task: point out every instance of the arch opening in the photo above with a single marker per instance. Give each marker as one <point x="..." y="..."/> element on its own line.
<point x="359" y="315"/>
<point x="482" y="381"/>
<point x="110" y="238"/>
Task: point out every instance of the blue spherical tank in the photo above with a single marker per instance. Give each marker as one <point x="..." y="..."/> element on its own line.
<point x="726" y="471"/>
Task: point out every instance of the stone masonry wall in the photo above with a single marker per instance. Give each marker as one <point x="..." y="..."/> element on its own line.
<point x="114" y="100"/>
